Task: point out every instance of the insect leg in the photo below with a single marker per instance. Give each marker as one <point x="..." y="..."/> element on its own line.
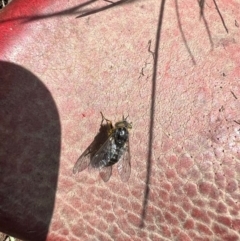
<point x="125" y="118"/>
<point x="109" y="123"/>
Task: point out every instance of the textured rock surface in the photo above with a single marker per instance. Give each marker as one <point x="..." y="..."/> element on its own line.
<point x="59" y="72"/>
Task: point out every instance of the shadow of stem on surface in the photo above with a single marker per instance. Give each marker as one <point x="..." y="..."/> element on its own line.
<point x="220" y="15"/>
<point x="182" y="33"/>
<point x="201" y="6"/>
<point x="153" y="91"/>
<point x="111" y="5"/>
<point x="152" y="114"/>
<point x="70" y="11"/>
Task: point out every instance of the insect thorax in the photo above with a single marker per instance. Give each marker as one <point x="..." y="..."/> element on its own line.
<point x="121" y="136"/>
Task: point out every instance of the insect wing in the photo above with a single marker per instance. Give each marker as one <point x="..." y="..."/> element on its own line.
<point x="103" y="155"/>
<point x="124" y="165"/>
<point x="82" y="162"/>
<point x="105" y="173"/>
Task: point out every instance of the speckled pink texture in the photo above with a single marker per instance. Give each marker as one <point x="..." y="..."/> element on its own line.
<point x="102" y="63"/>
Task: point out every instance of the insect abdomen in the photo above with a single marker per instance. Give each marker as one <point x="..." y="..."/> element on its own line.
<point x="120" y="138"/>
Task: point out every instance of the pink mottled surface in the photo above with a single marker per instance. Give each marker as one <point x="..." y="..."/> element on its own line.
<point x="60" y="72"/>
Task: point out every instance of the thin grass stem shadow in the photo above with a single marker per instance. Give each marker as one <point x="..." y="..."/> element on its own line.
<point x="220" y="15"/>
<point x="152" y="114"/>
<point x="182" y="33"/>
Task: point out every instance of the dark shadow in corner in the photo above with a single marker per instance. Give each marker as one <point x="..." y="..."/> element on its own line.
<point x="182" y="33"/>
<point x="152" y="113"/>
<point x="30" y="136"/>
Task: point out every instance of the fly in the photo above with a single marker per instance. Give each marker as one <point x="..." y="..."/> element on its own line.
<point x="115" y="149"/>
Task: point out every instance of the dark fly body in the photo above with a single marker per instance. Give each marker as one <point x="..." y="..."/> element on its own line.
<point x="114" y="150"/>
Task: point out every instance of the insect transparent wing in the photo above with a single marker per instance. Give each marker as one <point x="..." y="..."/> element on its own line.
<point x="124" y="166"/>
<point x="102" y="157"/>
<point x="105" y="173"/>
<point x="82" y="162"/>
